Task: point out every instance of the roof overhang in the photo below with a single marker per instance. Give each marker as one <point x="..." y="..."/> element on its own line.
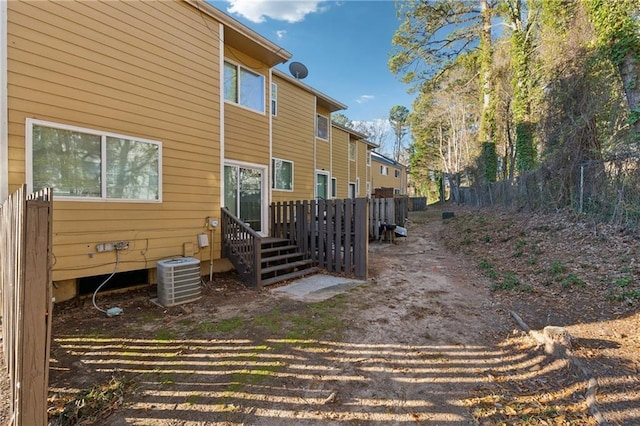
<point x="323" y="100"/>
<point x="243" y="38"/>
<point x="356" y="134"/>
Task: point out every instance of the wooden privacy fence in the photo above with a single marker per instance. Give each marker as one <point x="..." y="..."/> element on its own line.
<point x="386" y="211"/>
<point x="332" y="232"/>
<point x="417" y="204"/>
<point x="26" y="293"/>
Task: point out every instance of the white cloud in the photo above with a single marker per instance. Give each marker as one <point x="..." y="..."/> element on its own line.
<point x="289" y="11"/>
<point x="281" y="33"/>
<point x="365" y="98"/>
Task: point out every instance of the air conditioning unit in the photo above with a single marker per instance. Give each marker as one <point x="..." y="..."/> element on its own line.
<point x="178" y="281"/>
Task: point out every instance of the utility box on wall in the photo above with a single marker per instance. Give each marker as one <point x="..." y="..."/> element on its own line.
<point x="179" y="281"/>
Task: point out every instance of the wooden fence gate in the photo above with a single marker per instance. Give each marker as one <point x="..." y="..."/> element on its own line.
<point x="26" y="295"/>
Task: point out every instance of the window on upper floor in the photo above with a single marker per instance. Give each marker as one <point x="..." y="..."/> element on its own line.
<point x="85" y="164"/>
<point x="384" y="170"/>
<point x="322" y="127"/>
<point x="368" y="158"/>
<point x="352" y="151"/>
<point x="397" y="173"/>
<point x="274" y="99"/>
<point x="243" y="87"/>
<point x="282" y="174"/>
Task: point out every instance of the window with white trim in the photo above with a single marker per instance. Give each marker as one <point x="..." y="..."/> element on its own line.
<point x="322" y="127"/>
<point x="89" y="164"/>
<point x="282" y="174"/>
<point x="352" y="151"/>
<point x="352" y="190"/>
<point x="397" y="173"/>
<point x="357" y="186"/>
<point x="334" y="187"/>
<point x="274" y="99"/>
<point x="384" y="170"/>
<point x="368" y="189"/>
<point x="243" y="87"/>
<point x="368" y="158"/>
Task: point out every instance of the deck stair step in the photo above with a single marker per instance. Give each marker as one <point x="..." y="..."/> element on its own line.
<point x="281" y="260"/>
<point x="290" y="276"/>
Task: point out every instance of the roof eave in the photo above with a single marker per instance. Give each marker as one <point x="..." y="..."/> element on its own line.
<point x="327" y="101"/>
<point x="240" y="36"/>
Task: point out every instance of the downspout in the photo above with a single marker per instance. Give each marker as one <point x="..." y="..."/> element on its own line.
<point x="4" y="107"/>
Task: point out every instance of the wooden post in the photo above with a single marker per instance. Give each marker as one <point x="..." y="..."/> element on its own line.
<point x="361" y="243"/>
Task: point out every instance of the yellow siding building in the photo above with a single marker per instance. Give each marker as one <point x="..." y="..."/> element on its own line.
<point x="146" y="118"/>
<point x="387" y="173"/>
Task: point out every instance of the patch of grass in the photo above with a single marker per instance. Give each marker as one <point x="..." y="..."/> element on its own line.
<point x="532" y="261"/>
<point x="557" y="268"/>
<point x="518" y="253"/>
<point x="466" y="241"/>
<point x="623" y="282"/>
<point x="488" y="269"/>
<point x="166" y="380"/>
<point x="572" y="280"/>
<point x="487" y="239"/>
<point x="224" y="326"/>
<point x="165" y="334"/>
<point x="626" y="269"/>
<point x="271" y="321"/>
<point x="520" y="243"/>
<point x="510" y="281"/>
<point x="149" y="317"/>
<point x="193" y="398"/>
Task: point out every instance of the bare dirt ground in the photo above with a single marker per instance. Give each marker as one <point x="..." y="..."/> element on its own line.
<point x="428" y="340"/>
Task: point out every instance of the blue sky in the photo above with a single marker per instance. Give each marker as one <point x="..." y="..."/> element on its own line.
<point x="344" y="44"/>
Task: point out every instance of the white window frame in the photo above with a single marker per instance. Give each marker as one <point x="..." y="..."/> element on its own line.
<point x="397" y="173"/>
<point x="357" y="186"/>
<point x="368" y="159"/>
<point x="352" y="151"/>
<point x="103" y="176"/>
<point x="355" y="189"/>
<point x="384" y="170"/>
<point x="368" y="189"/>
<point x="315" y="183"/>
<point x="239" y="87"/>
<point x="334" y="187"/>
<point x="273" y="179"/>
<point x="326" y="119"/>
<point x="274" y="99"/>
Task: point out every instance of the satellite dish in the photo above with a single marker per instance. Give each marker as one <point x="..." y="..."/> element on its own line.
<point x="298" y="70"/>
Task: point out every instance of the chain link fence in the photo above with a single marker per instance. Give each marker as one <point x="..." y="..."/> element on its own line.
<point x="606" y="190"/>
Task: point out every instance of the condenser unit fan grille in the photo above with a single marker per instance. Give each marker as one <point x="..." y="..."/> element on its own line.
<point x="178" y="281"/>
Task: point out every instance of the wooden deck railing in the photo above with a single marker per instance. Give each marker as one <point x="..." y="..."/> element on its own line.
<point x="242" y="246"/>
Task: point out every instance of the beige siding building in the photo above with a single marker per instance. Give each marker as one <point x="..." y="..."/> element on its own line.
<point x="389" y="174"/>
<point x="146" y="118"/>
<point x="121" y="108"/>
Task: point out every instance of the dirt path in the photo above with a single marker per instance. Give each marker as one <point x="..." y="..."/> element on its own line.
<point x="421" y="343"/>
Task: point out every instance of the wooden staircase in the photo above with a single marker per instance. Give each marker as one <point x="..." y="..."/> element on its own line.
<point x="281" y="260"/>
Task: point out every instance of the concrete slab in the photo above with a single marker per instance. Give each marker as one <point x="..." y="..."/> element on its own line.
<point x="319" y="287"/>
